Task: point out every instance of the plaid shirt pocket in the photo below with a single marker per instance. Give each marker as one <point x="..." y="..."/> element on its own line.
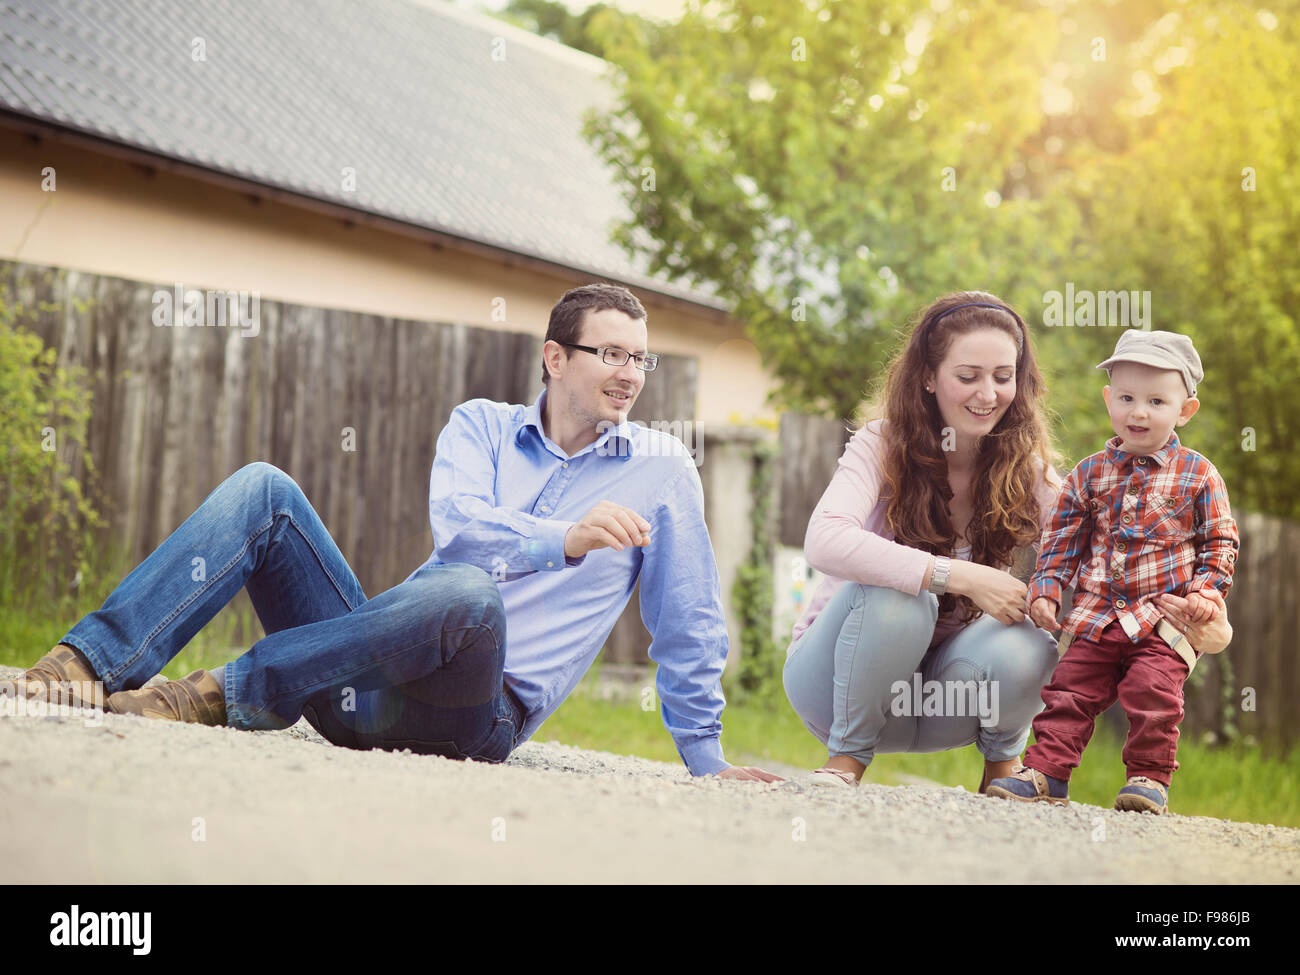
<point x="1169" y="518"/>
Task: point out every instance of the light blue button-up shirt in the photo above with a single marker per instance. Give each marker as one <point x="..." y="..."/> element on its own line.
<point x="502" y="496"/>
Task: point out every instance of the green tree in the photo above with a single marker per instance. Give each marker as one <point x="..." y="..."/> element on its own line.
<point x="1202" y="208"/>
<point x="547" y="18"/>
<point x="830" y="170"/>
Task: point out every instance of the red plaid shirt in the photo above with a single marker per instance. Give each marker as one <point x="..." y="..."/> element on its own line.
<point x="1132" y="528"/>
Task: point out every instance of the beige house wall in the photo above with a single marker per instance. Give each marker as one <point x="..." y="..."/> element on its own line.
<point x="112" y="216"/>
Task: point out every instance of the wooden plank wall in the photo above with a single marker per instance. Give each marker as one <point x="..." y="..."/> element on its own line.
<point x="1261" y="660"/>
<point x="178" y="409"/>
<point x="810" y="450"/>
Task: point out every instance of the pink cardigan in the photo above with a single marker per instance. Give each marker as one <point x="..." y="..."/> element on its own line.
<point x="849" y="537"/>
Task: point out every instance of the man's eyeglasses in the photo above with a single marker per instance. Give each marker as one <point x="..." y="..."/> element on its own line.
<point x="611" y="356"/>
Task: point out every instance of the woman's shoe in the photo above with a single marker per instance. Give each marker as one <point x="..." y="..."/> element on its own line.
<point x="832" y="776"/>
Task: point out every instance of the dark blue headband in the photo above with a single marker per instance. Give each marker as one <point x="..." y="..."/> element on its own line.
<point x="974" y="304"/>
<point x="1020" y="341"/>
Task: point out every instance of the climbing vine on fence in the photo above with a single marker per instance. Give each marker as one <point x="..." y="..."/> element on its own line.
<point x="758" y="676"/>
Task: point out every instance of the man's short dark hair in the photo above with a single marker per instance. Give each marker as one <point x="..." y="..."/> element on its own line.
<point x="565" y="325"/>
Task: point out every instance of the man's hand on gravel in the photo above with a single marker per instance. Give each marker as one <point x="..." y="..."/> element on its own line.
<point x="748" y="773"/>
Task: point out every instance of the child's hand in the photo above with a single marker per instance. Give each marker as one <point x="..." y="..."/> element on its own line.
<point x="1043" y="613"/>
<point x="1199" y="608"/>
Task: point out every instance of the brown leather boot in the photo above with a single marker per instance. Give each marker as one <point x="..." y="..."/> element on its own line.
<point x="196" y="698"/>
<point x="63" y="675"/>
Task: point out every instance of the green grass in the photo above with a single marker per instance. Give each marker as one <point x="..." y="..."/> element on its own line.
<point x="26" y="634"/>
<point x="1237" y="782"/>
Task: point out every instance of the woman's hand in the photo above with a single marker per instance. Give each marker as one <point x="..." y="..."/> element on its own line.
<point x="1211" y="636"/>
<point x="998" y="593"/>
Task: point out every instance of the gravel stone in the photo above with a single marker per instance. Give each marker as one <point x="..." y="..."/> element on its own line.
<point x="120" y="799"/>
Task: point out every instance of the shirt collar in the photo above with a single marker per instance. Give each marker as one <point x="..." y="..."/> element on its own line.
<point x="1161" y="458"/>
<point x="624" y="431"/>
<point x="533" y="418"/>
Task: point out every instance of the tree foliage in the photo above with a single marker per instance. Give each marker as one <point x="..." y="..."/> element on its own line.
<point x="548" y="18"/>
<point x="830" y="167"/>
<point x="1202" y="207"/>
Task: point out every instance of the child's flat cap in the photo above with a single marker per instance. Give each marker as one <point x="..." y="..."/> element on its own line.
<point x="1164" y="350"/>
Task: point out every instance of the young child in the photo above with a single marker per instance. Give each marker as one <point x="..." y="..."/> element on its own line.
<point x="1144" y="517"/>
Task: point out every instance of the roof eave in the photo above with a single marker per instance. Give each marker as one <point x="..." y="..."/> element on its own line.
<point x="39" y="128"/>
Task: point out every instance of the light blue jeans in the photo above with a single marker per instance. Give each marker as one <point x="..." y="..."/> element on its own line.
<point x="860" y="678"/>
<point x="419" y="666"/>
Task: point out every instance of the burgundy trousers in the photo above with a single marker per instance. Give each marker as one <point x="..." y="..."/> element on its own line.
<point x="1147" y="677"/>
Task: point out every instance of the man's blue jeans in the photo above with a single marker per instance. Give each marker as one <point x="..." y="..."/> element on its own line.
<point x="419" y="666"/>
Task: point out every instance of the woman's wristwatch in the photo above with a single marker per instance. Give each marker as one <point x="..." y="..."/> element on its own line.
<point x="939" y="578"/>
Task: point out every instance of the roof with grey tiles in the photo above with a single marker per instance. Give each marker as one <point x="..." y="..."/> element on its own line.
<point x="451" y="121"/>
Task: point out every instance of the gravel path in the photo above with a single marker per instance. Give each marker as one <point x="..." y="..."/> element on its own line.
<point x="127" y="800"/>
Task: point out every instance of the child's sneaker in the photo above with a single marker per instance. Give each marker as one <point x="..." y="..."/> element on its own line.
<point x="1031" y="785"/>
<point x="1141" y="794"/>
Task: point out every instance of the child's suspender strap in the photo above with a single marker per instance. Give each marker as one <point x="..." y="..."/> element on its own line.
<point x="1178" y="642"/>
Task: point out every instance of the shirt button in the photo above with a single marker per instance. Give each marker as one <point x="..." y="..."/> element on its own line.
<point x="544" y="508"/>
<point x="1121" y="604"/>
<point x="1117" y="575"/>
<point x="550" y="565"/>
<point x="1121" y="547"/>
<point x="565" y="464"/>
<point x="1142" y="460"/>
<point x="1127" y="519"/>
<point x="1134" y="489"/>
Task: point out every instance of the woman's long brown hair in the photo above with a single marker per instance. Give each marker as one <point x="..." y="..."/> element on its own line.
<point x="1011" y="459"/>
